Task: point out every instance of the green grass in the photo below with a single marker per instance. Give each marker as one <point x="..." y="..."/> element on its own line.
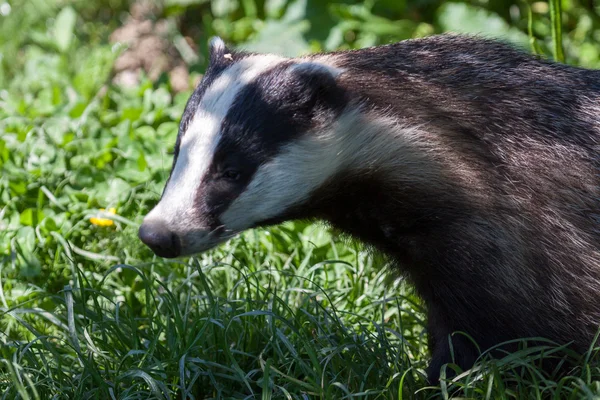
<point x="87" y="312"/>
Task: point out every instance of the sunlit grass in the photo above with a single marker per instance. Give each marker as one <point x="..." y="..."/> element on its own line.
<point x="286" y="313"/>
<point x="221" y="328"/>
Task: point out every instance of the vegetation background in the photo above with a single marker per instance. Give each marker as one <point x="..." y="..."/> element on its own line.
<point x="91" y="92"/>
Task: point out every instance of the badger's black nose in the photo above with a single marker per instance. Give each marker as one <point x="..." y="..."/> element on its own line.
<point x="160" y="239"/>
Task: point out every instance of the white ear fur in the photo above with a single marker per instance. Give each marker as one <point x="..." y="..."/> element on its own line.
<point x="216" y="44"/>
<point x="312" y="67"/>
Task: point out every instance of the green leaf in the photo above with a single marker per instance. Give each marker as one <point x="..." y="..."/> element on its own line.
<point x="274" y="8"/>
<point x="64" y="27"/>
<point x="161" y="98"/>
<point x="18" y="187"/>
<point x="132" y="114"/>
<point x="141" y="162"/>
<point x="49" y="224"/>
<point x="31" y="217"/>
<point x="118" y="191"/>
<point x="145" y="133"/>
<point x="285" y="36"/>
<point x="167" y="129"/>
<point x="4" y="152"/>
<point x="221" y="8"/>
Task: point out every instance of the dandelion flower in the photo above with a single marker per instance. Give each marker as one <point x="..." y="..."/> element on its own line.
<point x="104" y="222"/>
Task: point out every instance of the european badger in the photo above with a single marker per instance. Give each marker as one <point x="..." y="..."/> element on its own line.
<point x="472" y="165"/>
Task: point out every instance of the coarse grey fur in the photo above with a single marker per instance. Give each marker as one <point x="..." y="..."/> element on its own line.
<point x="475" y="167"/>
<point x="510" y="246"/>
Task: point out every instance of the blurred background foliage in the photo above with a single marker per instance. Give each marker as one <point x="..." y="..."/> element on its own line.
<point x="290" y="27"/>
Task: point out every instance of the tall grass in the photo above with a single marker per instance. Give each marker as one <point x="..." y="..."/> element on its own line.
<point x="243" y="321"/>
<point x="247" y="321"/>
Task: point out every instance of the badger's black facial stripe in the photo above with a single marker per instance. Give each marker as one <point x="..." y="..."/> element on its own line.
<point x="218" y="64"/>
<point x="276" y="108"/>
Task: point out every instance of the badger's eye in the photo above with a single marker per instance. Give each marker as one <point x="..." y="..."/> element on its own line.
<point x="231" y="175"/>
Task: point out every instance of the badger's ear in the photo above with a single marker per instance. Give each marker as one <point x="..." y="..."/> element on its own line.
<point x="317" y="74"/>
<point x="317" y="71"/>
<point x="219" y="53"/>
<point x="318" y="84"/>
<point x="319" y="77"/>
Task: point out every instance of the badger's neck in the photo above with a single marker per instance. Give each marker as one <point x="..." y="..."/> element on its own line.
<point x="395" y="187"/>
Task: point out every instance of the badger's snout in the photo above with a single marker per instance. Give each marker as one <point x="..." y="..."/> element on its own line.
<point x="163" y="242"/>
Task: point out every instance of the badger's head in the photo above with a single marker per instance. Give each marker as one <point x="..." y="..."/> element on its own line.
<point x="248" y="149"/>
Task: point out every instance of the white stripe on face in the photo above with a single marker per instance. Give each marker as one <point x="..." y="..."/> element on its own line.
<point x="303" y="166"/>
<point x="287" y="179"/>
<point x="198" y="144"/>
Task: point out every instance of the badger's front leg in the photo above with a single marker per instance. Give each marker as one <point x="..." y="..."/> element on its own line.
<point x="447" y="346"/>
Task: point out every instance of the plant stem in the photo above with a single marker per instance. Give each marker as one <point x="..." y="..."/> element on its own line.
<point x="556" y="20"/>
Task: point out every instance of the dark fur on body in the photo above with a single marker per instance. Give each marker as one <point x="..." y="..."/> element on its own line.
<point x="506" y="244"/>
<point x="495" y="215"/>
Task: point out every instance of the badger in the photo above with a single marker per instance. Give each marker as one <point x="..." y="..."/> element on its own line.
<point x="472" y="165"/>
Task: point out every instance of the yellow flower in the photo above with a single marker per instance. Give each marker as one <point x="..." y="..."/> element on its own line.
<point x="99" y="221"/>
